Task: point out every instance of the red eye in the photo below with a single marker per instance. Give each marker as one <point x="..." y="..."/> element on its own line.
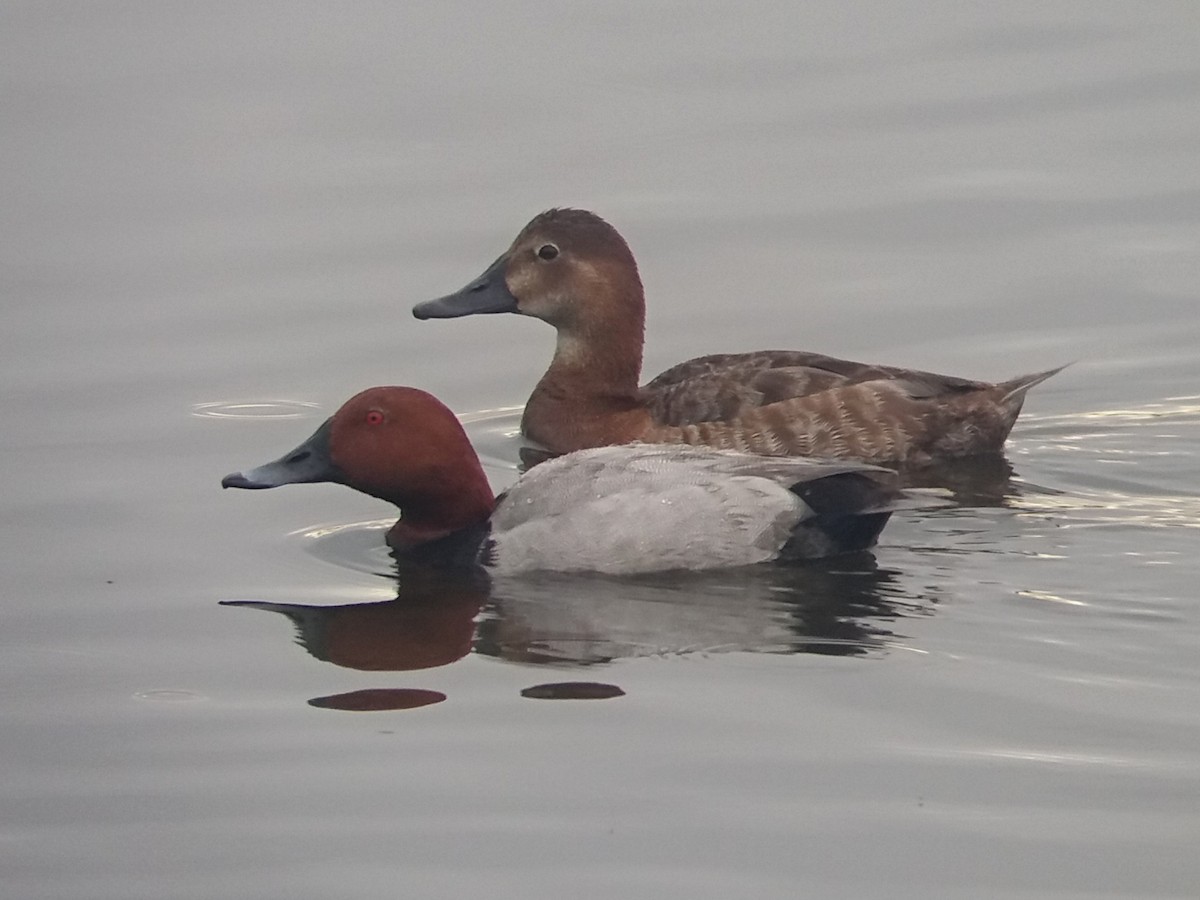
<point x="374" y="417"/>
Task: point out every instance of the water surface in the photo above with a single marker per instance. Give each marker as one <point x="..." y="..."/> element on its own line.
<point x="218" y="217"/>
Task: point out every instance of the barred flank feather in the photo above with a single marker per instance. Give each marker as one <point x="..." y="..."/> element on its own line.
<point x="885" y="420"/>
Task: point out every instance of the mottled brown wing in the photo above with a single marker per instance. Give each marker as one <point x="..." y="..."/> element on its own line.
<point x="757" y="361"/>
<point x="723" y="387"/>
<point x="723" y="396"/>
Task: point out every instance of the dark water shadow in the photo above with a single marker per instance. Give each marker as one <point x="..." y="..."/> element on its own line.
<point x="973" y="482"/>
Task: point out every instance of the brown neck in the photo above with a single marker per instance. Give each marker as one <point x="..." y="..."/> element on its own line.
<point x="443" y="503"/>
<point x="564" y="418"/>
<point x="590" y="396"/>
<point x="600" y="339"/>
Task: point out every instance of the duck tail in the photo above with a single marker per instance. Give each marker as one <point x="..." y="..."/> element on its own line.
<point x="1017" y="388"/>
<point x="850" y="509"/>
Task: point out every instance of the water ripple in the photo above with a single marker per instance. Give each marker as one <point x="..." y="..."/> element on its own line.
<point x="255" y="409"/>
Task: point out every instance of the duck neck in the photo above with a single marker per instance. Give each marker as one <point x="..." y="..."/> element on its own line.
<point x="600" y="342"/>
<point x="590" y="395"/>
<point x="444" y="502"/>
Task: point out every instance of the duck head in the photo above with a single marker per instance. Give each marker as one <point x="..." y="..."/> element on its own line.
<point x="570" y="268"/>
<point x="401" y="445"/>
<point x="563" y="264"/>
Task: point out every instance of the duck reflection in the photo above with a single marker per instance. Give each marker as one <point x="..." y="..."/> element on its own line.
<point x="841" y="607"/>
<point x="429" y="624"/>
<point x="970" y="483"/>
<point x="377" y="699"/>
<point x="573" y="690"/>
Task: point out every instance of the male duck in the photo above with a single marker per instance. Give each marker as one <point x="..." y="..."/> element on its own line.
<point x="573" y="270"/>
<point x="613" y="509"/>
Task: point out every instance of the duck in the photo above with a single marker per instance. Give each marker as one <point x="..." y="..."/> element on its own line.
<point x="611" y="510"/>
<point x="574" y="271"/>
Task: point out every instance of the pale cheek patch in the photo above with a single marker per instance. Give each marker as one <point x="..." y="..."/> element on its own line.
<point x="519" y="285"/>
<point x="537" y="298"/>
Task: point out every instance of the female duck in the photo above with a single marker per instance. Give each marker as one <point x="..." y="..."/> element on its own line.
<point x="613" y="509"/>
<point x="573" y="270"/>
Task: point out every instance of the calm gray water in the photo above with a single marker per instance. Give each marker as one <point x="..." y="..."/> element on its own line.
<point x="216" y="218"/>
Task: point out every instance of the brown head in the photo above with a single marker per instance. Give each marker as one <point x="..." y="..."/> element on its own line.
<point x="398" y="444"/>
<point x="570" y="268"/>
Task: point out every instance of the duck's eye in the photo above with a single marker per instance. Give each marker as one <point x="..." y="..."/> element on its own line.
<point x="547" y="251"/>
<point x="374" y="417"/>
